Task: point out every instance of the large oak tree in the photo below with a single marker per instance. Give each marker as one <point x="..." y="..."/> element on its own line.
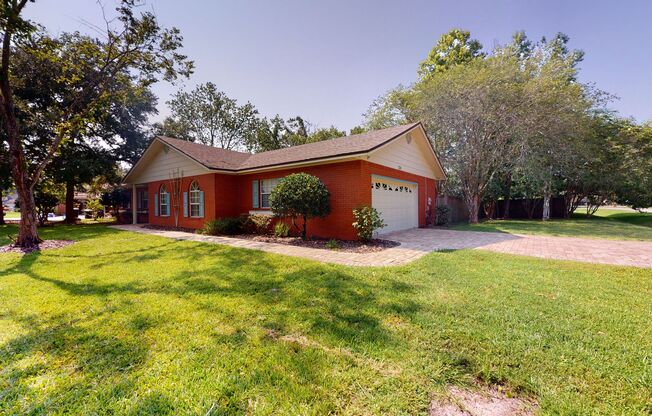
<point x="132" y="46"/>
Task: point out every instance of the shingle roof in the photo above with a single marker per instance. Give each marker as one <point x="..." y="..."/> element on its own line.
<point x="215" y="158"/>
<point x="209" y="156"/>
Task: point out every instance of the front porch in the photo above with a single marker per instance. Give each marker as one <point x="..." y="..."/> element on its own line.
<point x="138" y="198"/>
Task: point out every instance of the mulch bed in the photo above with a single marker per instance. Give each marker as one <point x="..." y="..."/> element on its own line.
<point x="45" y="245"/>
<point x="342" y="245"/>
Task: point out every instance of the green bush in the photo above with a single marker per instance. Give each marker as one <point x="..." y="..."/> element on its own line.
<point x="223" y="226"/>
<point x="281" y="229"/>
<point x="96" y="207"/>
<point x="443" y="215"/>
<point x="300" y="195"/>
<point x="367" y="220"/>
<point x="256" y="223"/>
<point x="332" y="244"/>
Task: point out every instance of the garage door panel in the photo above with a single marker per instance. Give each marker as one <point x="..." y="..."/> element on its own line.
<point x="396" y="201"/>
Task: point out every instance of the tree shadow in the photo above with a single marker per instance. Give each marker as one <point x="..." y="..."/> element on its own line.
<point x="334" y="306"/>
<point x="334" y="302"/>
<point x="84" y="359"/>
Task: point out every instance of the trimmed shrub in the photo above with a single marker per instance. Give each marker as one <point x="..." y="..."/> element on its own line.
<point x="223" y="226"/>
<point x="300" y="195"/>
<point x="367" y="220"/>
<point x="256" y="223"/>
<point x="443" y="215"/>
<point x="281" y="229"/>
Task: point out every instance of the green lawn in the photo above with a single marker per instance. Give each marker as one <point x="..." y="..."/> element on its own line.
<point x="12" y="215"/>
<point x="614" y="224"/>
<point x="123" y="323"/>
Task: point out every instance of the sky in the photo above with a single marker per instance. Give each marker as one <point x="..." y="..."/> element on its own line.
<point x="326" y="61"/>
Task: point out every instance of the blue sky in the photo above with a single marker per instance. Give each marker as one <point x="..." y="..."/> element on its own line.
<point x="327" y="60"/>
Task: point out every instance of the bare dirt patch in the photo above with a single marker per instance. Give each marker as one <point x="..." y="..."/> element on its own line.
<point x="486" y="401"/>
<point x="45" y="245"/>
<point x="336" y="245"/>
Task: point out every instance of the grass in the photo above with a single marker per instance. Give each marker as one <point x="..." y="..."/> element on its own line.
<point x="613" y="224"/>
<point x="12" y="215"/>
<point x="124" y="323"/>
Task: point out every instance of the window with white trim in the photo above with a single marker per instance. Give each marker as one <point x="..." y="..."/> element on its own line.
<point x="194" y="199"/>
<point x="164" y="201"/>
<point x="266" y="186"/>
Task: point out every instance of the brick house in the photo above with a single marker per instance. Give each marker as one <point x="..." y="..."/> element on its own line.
<point x="394" y="170"/>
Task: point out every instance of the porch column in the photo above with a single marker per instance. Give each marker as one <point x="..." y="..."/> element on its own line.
<point x="134" y="205"/>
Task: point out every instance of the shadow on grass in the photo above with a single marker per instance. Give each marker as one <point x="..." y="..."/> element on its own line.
<point x="331" y="305"/>
<point x="635" y="218"/>
<point x="78" y="232"/>
<point x="83" y="356"/>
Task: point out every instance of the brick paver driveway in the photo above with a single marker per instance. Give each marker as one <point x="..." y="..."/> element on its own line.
<point x="418" y="242"/>
<point x="624" y="253"/>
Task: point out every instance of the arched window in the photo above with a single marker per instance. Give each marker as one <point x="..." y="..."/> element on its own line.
<point x="164" y="201"/>
<point x="195" y="200"/>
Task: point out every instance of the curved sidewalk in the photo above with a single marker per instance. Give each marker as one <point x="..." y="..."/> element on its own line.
<point x="418" y="242"/>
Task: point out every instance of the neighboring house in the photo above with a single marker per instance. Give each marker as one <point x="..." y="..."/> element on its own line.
<point x="394" y="170"/>
<point x="80" y="201"/>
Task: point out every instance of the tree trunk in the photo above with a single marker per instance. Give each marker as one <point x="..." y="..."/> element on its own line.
<point x="2" y="210"/>
<point x="547" y="195"/>
<point x="71" y="218"/>
<point x="27" y="232"/>
<point x="304" y="232"/>
<point x="530" y="205"/>
<point x="508" y="196"/>
<point x="473" y="205"/>
<point x="489" y="209"/>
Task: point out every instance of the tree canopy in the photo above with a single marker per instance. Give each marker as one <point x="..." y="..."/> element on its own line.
<point x="133" y="48"/>
<point x="514" y="117"/>
<point x="206" y="115"/>
<point x="453" y="48"/>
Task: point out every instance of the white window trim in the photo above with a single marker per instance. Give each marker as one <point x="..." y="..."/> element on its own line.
<point x="260" y="191"/>
<point x="161" y="204"/>
<point x="196" y="204"/>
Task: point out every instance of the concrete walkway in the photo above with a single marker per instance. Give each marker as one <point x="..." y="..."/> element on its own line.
<point x="418" y="242"/>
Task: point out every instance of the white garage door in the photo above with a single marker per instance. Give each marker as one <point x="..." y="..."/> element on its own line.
<point x="396" y="201"/>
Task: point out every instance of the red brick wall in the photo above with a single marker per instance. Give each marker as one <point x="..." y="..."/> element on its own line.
<point x="207" y="183"/>
<point x="349" y="184"/>
<point x="344" y="182"/>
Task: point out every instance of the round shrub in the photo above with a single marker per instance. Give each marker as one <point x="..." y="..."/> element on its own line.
<point x="300" y="195"/>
